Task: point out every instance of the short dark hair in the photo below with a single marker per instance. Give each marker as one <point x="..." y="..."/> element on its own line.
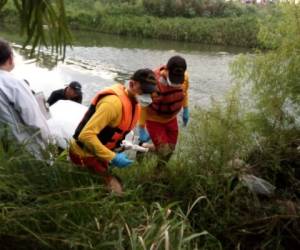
<point x="176" y="67"/>
<point x="146" y="78"/>
<point x="5" y="51"/>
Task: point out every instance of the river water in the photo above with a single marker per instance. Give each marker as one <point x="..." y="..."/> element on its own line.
<point x="99" y="60"/>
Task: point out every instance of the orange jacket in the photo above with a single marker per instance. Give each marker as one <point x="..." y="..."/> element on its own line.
<point x="111" y="137"/>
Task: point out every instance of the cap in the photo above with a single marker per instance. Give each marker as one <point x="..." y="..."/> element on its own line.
<point x="147" y="79"/>
<point x="176" y="67"/>
<point x="76" y="86"/>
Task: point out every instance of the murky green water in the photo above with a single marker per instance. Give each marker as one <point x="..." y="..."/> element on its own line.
<point x="98" y="60"/>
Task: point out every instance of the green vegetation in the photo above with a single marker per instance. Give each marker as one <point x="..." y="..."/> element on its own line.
<point x="272" y="79"/>
<point x="224" y="31"/>
<point x="206" y="22"/>
<point x="42" y="22"/>
<point x="162" y="8"/>
<point x="199" y="200"/>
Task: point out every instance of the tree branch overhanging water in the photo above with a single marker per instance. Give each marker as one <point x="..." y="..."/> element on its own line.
<point x="43" y="23"/>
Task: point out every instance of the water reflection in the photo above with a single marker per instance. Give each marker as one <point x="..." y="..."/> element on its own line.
<point x="44" y="59"/>
<point x="98" y="60"/>
<point x="83" y="38"/>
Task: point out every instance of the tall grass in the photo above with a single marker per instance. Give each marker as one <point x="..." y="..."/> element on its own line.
<point x="62" y="207"/>
<point x="272" y="79"/>
<point x="231" y="24"/>
<point x="164" y="8"/>
<point x="196" y="202"/>
<point x="224" y="31"/>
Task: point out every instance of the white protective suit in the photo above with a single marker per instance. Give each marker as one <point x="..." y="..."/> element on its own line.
<point x="20" y="113"/>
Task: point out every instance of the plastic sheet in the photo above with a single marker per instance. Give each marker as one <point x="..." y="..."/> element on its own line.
<point x="258" y="185"/>
<point x="65" y="117"/>
<point x="128" y="145"/>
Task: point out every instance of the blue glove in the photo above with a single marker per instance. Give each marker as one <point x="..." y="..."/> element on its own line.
<point x="121" y="160"/>
<point x="185" y="116"/>
<point x="143" y="135"/>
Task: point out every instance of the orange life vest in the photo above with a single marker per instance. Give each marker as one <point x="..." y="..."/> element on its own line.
<point x="167" y="100"/>
<point x="111" y="137"/>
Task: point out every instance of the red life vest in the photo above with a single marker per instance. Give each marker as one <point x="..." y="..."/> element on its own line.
<point x="167" y="100"/>
<point x="111" y="137"/>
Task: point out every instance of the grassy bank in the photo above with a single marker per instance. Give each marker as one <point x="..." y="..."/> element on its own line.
<point x="207" y="22"/>
<point x="238" y="31"/>
<point x="200" y="200"/>
<point x="197" y="202"/>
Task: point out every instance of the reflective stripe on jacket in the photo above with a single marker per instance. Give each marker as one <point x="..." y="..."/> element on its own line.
<point x="111" y="137"/>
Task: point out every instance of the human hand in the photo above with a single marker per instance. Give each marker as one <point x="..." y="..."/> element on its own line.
<point x="143" y="134"/>
<point x="185" y="116"/>
<point x="121" y="160"/>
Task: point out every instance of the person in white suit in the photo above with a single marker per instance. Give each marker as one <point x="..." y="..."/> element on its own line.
<point x="21" y="119"/>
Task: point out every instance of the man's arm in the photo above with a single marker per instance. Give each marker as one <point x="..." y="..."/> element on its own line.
<point x="143" y="134"/>
<point x="186" y="92"/>
<point x="186" y="113"/>
<point x="143" y="117"/>
<point x="52" y="98"/>
<point x="108" y="113"/>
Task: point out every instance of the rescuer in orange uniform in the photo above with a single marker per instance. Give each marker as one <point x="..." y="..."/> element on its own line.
<point x="113" y="112"/>
<point x="160" y="116"/>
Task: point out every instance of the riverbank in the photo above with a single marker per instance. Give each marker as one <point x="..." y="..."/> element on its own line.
<point x="233" y="31"/>
<point x="198" y="201"/>
<point x="204" y="22"/>
<point x="201" y="199"/>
